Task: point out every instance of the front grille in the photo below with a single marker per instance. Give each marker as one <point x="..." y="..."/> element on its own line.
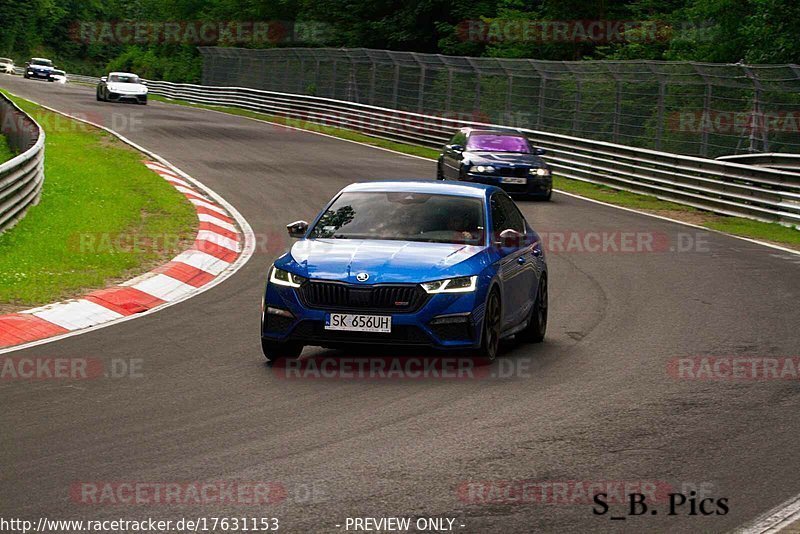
<point x="314" y="331"/>
<point x="519" y="172"/>
<point x="379" y="298"/>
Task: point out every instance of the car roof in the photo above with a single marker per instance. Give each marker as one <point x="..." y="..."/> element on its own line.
<point x="495" y="131"/>
<point x="41" y="58"/>
<point x="423" y="186"/>
<point x="123" y="74"/>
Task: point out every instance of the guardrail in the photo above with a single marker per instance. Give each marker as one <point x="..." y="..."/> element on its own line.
<point x="22" y="177"/>
<point x="772" y="160"/>
<point x="723" y="187"/>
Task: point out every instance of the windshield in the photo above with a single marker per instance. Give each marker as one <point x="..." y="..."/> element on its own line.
<point x="42" y="62"/>
<point x="499" y="143"/>
<point x="403" y="216"/>
<point x="5" y="60"/>
<point x="122" y="78"/>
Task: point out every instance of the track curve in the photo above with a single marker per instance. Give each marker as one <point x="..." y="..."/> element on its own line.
<point x="598" y="403"/>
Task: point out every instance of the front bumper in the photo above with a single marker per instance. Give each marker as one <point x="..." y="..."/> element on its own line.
<point x="120" y="97"/>
<point x="534" y="185"/>
<point x="38" y="74"/>
<point x="444" y="321"/>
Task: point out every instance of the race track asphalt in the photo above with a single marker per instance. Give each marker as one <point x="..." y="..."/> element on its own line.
<point x="595" y="402"/>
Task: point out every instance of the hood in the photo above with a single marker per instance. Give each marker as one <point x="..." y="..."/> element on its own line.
<point x="499" y="158"/>
<point x="383" y="261"/>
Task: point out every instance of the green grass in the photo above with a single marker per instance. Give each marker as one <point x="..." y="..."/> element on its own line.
<point x="773" y="232"/>
<point x="5" y="151"/>
<point x="615" y="196"/>
<point x="98" y="198"/>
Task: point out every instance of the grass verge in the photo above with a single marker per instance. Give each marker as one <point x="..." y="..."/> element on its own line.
<point x="770" y="232"/>
<point x="5" y="151"/>
<point x="104" y="217"/>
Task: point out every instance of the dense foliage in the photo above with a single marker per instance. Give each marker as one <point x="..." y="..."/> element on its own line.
<point x="755" y="31"/>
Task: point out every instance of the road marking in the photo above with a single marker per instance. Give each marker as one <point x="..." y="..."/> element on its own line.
<point x="75" y="315"/>
<point x="150" y="292"/>
<point x="776" y="520"/>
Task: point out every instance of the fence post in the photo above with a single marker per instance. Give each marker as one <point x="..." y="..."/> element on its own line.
<point x="662" y="93"/>
<point x="333" y="80"/>
<point x="617" y="109"/>
<point x="757" y="120"/>
<point x="449" y="95"/>
<point x="396" y="83"/>
<point x="421" y="91"/>
<point x="706" y="113"/>
<point x="372" y="75"/>
<point x="576" y="121"/>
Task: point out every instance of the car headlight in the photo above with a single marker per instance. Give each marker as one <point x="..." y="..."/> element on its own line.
<point x="462" y="284"/>
<point x="541" y="171"/>
<point x="482" y="168"/>
<point x="285" y="278"/>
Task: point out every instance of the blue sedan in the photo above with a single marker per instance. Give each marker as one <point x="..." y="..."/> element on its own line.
<point x="423" y="263"/>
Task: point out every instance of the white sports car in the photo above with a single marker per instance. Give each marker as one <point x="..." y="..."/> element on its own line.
<point x="6" y="65"/>
<point x="119" y="86"/>
<point x="58" y="76"/>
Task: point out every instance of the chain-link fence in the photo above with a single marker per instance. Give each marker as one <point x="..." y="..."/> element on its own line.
<point x="700" y="109"/>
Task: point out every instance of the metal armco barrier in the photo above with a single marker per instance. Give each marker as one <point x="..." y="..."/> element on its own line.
<point x="22" y="177"/>
<point x="773" y="160"/>
<point x="722" y="187"/>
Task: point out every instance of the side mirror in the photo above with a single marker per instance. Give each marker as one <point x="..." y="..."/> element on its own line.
<point x="297" y="228"/>
<point x="103" y="78"/>
<point x="455" y="148"/>
<point x="540" y="151"/>
<point x="510" y="238"/>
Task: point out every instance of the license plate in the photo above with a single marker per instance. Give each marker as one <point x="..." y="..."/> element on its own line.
<point x="513" y="180"/>
<point x="358" y="323"/>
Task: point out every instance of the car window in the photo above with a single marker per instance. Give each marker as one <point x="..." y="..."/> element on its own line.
<point x="121" y="78"/>
<point x="43" y="62"/>
<point x="5" y="60"/>
<point x="505" y="215"/>
<point x="499" y="143"/>
<point x="405" y="216"/>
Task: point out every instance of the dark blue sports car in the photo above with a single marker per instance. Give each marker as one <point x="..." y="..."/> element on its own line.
<point x="504" y="158"/>
<point x="432" y="264"/>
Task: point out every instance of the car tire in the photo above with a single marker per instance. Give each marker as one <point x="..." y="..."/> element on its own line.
<point x="439" y="172"/>
<point x="97" y="95"/>
<point x="491" y="329"/>
<point x="537" y="322"/>
<point x="278" y="350"/>
<point x="143" y="102"/>
<point x="549" y="195"/>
